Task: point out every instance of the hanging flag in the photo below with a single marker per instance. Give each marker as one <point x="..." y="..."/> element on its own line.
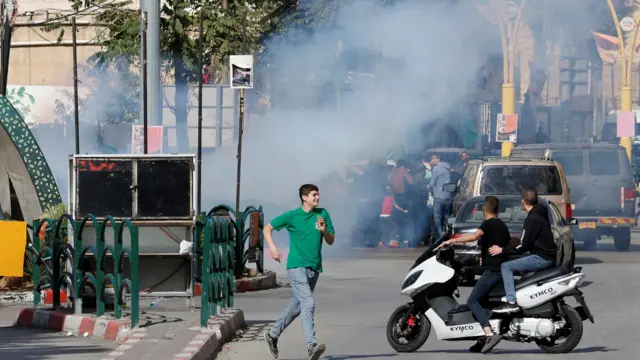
<point x="608" y="47"/>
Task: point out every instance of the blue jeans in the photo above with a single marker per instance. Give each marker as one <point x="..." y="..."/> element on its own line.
<point x="441" y="212"/>
<point x="486" y="282"/>
<point x="526" y="263"/>
<point x="303" y="282"/>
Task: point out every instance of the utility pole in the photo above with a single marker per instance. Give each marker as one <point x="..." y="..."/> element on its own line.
<point x="154" y="107"/>
<point x="509" y="37"/>
<point x="626" y="67"/>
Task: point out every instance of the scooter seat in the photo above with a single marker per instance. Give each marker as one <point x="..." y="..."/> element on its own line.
<point x="498" y="289"/>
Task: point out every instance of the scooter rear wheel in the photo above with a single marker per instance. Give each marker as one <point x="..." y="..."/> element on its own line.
<point x="414" y="332"/>
<point x="571" y="334"/>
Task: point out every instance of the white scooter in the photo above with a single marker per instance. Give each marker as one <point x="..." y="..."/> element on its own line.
<point x="545" y="318"/>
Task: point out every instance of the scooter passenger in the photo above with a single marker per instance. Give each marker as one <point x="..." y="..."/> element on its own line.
<point x="494" y="232"/>
<point x="536" y="238"/>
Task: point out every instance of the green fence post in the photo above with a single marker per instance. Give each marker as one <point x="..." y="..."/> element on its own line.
<point x="35" y="271"/>
<point x="89" y="277"/>
<point x="132" y="283"/>
<point x="117" y="265"/>
<point x="135" y="275"/>
<point x="206" y="274"/>
<point x="102" y="252"/>
<point x="239" y="246"/>
<point x="229" y="263"/>
<point x="218" y="233"/>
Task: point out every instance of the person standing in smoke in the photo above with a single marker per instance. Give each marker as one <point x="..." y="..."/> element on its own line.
<point x="442" y="200"/>
<point x="308" y="226"/>
<point x="400" y="179"/>
<point x="421" y="213"/>
<point x="464" y="161"/>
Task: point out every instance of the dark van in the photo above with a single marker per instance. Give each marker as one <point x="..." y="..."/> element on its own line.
<point x="601" y="184"/>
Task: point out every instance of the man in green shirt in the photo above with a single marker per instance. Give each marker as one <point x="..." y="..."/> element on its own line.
<point x="307" y="226"/>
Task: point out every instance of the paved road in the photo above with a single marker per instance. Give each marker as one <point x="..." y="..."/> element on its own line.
<point x="355" y="298"/>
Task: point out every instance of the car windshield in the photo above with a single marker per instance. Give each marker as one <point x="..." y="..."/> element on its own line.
<point x="509" y="211"/>
<point x="513" y="179"/>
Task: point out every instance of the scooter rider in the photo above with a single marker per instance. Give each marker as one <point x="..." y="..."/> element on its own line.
<point x="494" y="232"/>
<point x="536" y="238"/>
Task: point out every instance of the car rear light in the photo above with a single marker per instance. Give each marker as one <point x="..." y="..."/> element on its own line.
<point x="568" y="210"/>
<point x="629" y="194"/>
<point x="456" y="236"/>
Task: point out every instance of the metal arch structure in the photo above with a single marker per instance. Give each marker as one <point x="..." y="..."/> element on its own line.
<point x="24" y="165"/>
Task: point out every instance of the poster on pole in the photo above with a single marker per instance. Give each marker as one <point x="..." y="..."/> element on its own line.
<point x="626" y="124"/>
<point x="154" y="144"/>
<point x="507" y="128"/>
<point x="241" y="71"/>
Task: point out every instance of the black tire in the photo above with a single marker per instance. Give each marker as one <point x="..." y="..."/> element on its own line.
<point x="416" y="336"/>
<point x="622" y="239"/>
<point x="571" y="339"/>
<point x="589" y="240"/>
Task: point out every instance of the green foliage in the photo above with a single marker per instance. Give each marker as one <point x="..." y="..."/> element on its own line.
<point x="113" y="96"/>
<point x="21" y="100"/>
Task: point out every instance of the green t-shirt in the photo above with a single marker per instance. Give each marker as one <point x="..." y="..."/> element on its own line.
<point x="305" y="248"/>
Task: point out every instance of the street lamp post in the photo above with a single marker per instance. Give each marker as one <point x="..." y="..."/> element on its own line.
<point x="509" y="36"/>
<point x="625" y="90"/>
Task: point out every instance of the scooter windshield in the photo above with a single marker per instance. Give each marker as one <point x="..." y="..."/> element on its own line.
<point x="429" y="252"/>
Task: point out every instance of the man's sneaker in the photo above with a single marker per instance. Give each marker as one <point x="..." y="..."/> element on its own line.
<point x="316" y="350"/>
<point x="477" y="347"/>
<point x="492" y="341"/>
<point x="272" y="344"/>
<point x="506" y="308"/>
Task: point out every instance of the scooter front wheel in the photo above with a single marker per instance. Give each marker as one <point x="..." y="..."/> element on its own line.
<point x="409" y="335"/>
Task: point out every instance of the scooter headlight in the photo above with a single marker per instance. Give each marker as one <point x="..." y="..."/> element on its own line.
<point x="411" y="279"/>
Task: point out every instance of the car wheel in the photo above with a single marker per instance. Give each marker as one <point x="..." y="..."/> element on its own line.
<point x="589" y="240"/>
<point x="622" y="239"/>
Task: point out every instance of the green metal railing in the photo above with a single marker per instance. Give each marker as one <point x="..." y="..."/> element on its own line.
<point x="52" y="261"/>
<point x="249" y="250"/>
<point x="218" y="234"/>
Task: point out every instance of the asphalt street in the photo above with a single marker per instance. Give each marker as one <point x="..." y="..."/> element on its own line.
<point x="356" y="296"/>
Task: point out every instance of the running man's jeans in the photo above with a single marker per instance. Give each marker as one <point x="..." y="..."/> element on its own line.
<point x="441" y="212"/>
<point x="525" y="263"/>
<point x="481" y="289"/>
<point x="303" y="282"/>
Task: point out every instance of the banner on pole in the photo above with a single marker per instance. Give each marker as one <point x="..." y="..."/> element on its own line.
<point x="154" y="144"/>
<point x="626" y="124"/>
<point x="241" y="71"/>
<point x="507" y="128"/>
<point x="13" y="242"/>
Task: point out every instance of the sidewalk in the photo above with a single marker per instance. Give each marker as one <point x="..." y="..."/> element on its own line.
<point x="168" y="331"/>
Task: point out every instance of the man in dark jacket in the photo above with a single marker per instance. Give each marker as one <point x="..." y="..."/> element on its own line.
<point x="536" y="238"/>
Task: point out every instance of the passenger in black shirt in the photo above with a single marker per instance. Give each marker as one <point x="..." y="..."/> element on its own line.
<point x="492" y="231"/>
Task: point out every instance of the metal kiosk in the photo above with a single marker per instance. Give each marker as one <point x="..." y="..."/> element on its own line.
<point x="157" y="193"/>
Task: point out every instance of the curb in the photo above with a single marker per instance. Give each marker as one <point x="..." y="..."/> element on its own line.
<point x="220" y="330"/>
<point x="135" y="337"/>
<point x="261" y="282"/>
<point x="13" y="298"/>
<point x="102" y="328"/>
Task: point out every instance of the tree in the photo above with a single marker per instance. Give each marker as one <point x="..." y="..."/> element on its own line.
<point x="179" y="27"/>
